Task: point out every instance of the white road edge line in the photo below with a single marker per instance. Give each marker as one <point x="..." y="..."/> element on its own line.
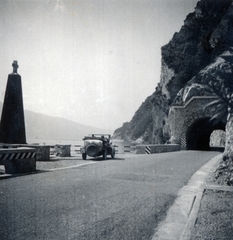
<point x="73" y="166"/>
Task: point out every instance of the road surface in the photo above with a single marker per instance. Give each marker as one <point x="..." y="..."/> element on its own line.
<point x="112" y="199"/>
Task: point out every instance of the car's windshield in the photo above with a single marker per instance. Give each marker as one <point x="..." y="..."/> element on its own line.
<point x="91" y="141"/>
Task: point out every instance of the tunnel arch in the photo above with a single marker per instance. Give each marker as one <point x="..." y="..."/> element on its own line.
<point x="198" y="133"/>
<point x="190" y="124"/>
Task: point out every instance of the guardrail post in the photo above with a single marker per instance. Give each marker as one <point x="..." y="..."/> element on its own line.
<point x="126" y="149"/>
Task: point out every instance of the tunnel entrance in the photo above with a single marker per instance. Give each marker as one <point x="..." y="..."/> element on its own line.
<point x="198" y="134"/>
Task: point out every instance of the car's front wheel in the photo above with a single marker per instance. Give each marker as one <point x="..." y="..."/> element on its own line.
<point x="84" y="156"/>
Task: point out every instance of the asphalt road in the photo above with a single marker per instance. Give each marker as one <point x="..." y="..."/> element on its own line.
<point x="112" y="199"/>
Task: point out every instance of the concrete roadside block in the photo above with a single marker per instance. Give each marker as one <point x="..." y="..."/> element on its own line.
<point x="42" y="152"/>
<point x="160" y="148"/>
<point x="62" y="150"/>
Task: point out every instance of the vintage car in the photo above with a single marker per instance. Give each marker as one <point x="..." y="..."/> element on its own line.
<point x="97" y="145"/>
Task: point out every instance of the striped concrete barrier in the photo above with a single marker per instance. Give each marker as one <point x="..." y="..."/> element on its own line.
<point x="42" y="151"/>
<point x="18" y="160"/>
<point x="160" y="148"/>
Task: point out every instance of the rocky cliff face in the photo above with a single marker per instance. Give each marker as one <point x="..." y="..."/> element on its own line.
<point x="149" y="124"/>
<point x="206" y="34"/>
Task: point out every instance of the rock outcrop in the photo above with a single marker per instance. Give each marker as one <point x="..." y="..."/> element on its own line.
<point x="192" y="52"/>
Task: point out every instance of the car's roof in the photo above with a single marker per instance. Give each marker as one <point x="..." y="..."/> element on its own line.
<point x="97" y="136"/>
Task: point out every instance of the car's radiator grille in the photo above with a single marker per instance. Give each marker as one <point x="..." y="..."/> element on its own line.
<point x="92" y="150"/>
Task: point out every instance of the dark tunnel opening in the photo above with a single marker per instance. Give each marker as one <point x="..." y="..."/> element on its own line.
<point x="198" y="134"/>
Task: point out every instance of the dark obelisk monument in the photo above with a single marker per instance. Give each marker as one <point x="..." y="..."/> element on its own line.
<point x="12" y="127"/>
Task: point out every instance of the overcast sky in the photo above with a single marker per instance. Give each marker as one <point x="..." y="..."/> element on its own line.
<point x="90" y="61"/>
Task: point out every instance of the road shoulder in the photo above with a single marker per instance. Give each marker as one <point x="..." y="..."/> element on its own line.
<point x="181" y="216"/>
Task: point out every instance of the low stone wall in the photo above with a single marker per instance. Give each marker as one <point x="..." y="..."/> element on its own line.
<point x="150" y="149"/>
